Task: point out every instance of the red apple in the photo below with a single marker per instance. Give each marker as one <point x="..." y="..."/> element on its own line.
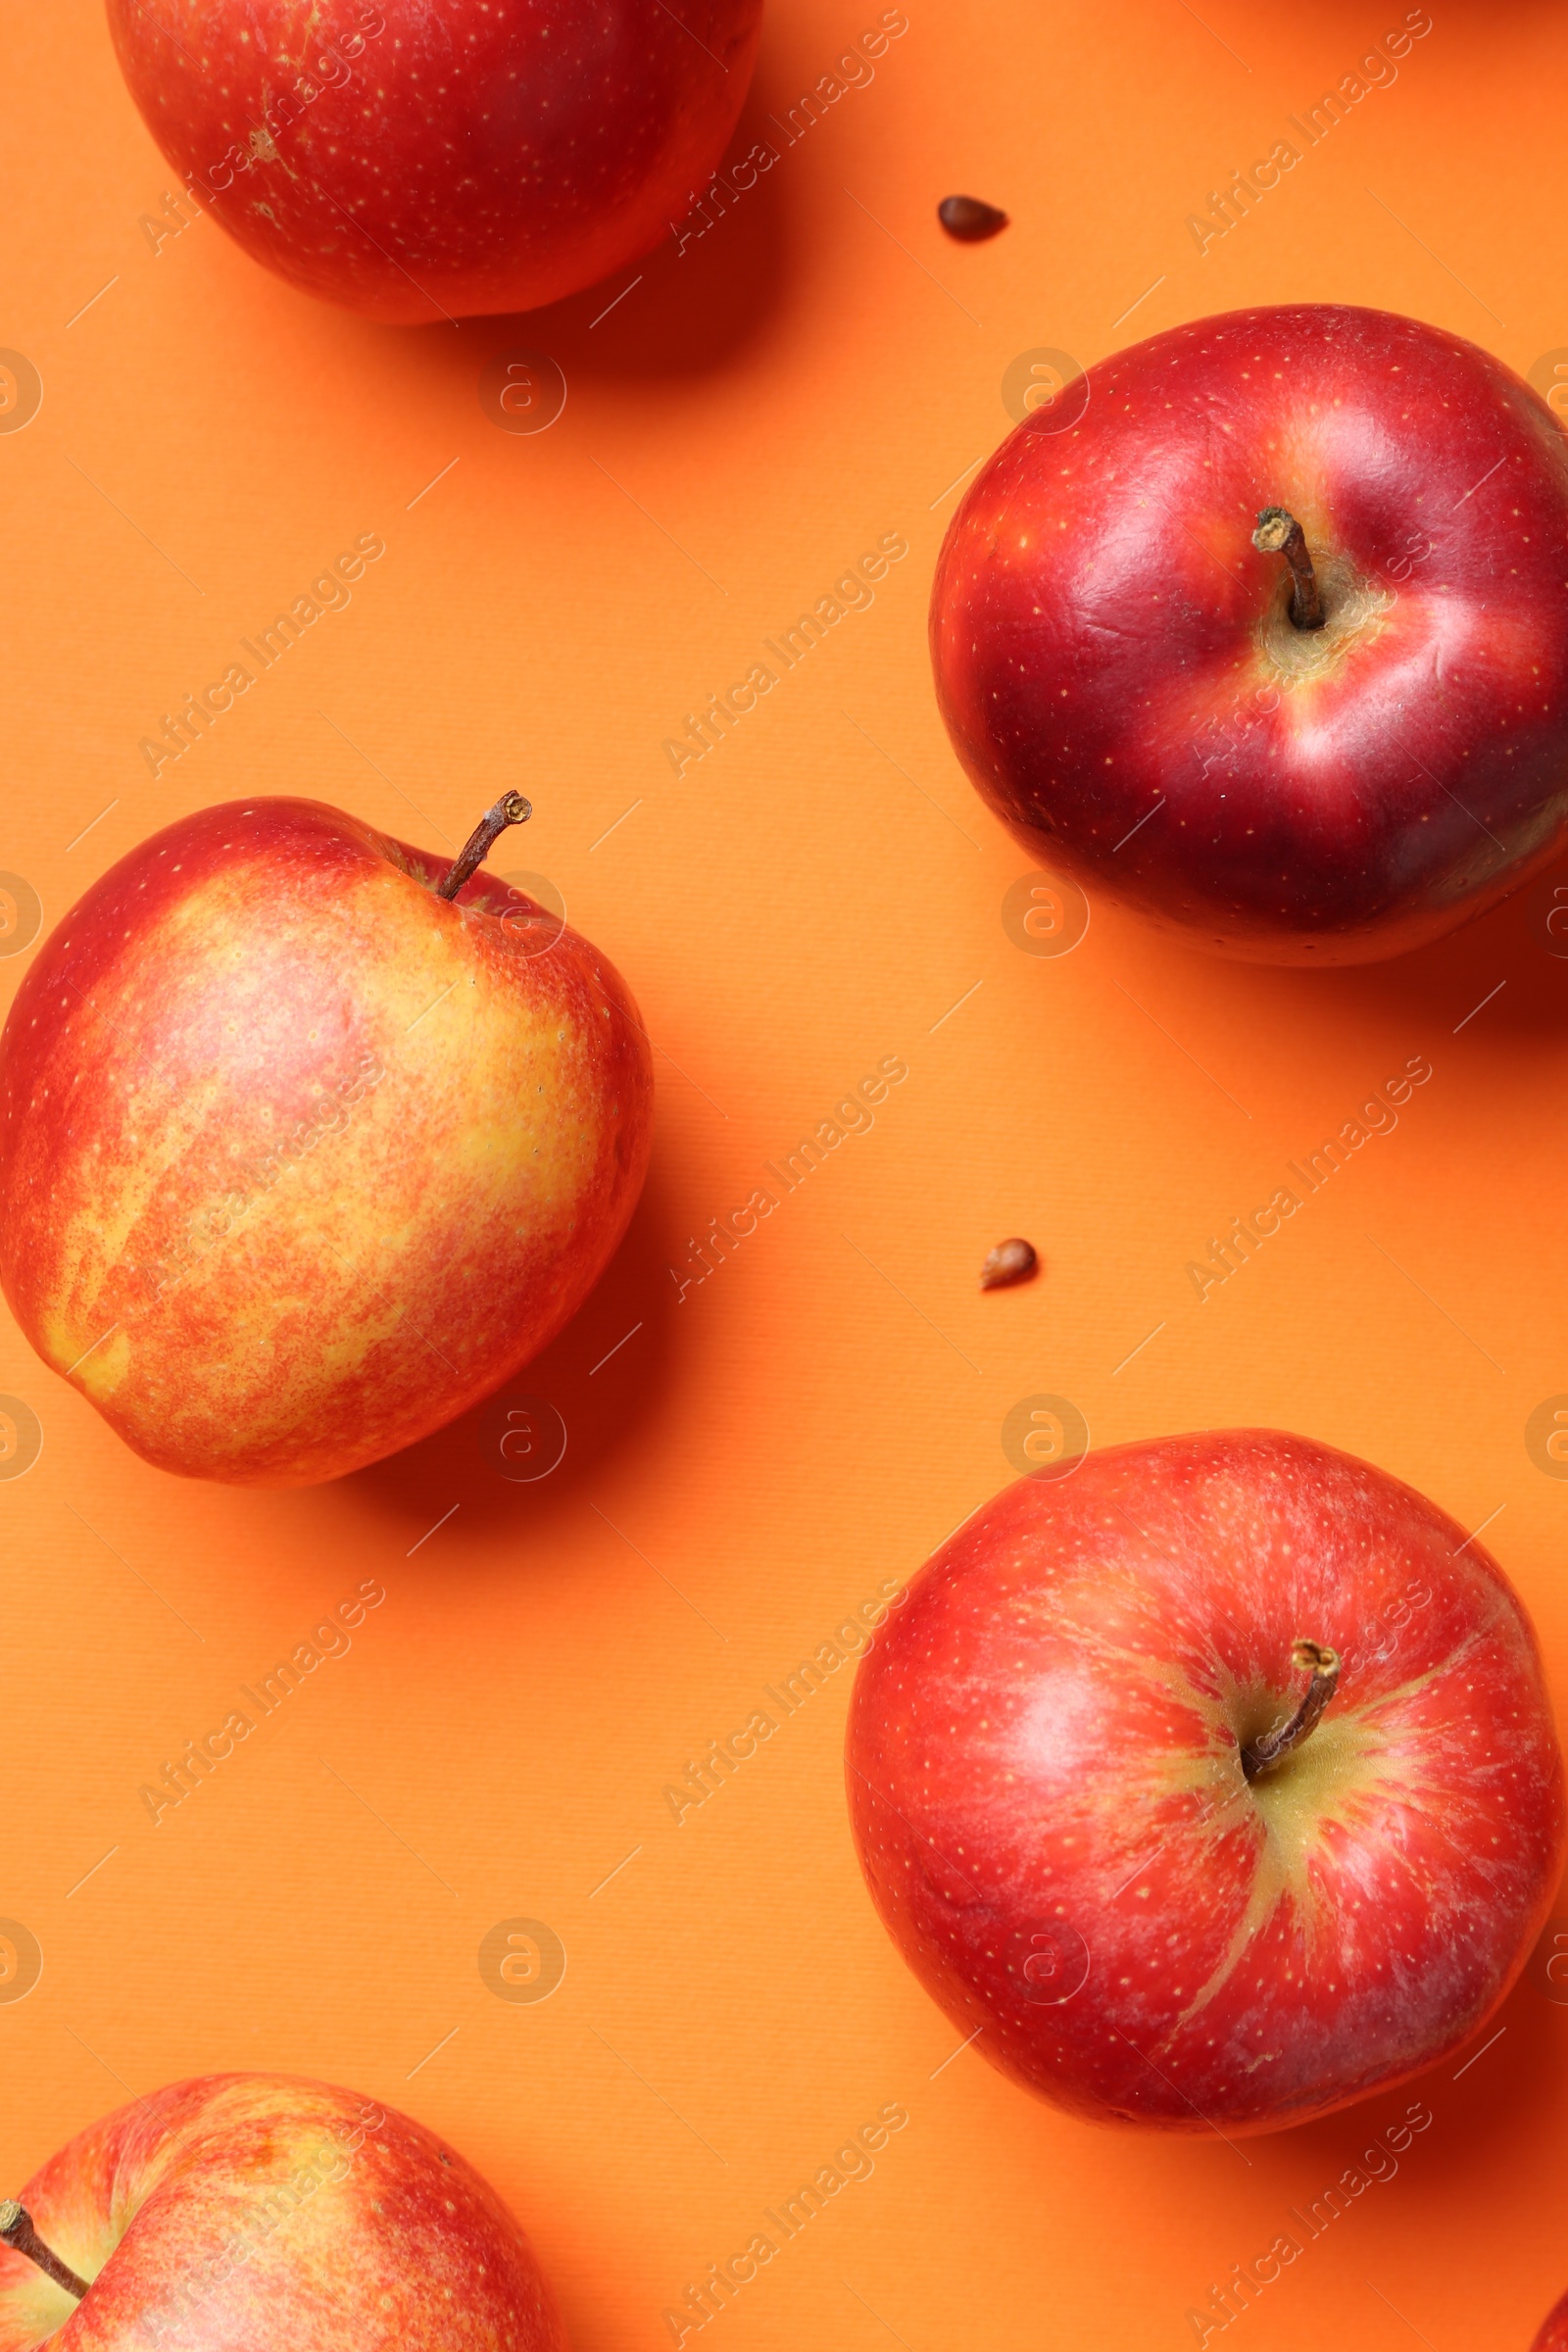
<point x="299" y="1158"/>
<point x="248" y="2210"/>
<point x="1137" y="687"/>
<point x="1553" y="2336"/>
<point x="422" y="159"/>
<point x="1213" y="1785"/>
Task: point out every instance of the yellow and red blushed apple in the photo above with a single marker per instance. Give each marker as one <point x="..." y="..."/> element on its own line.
<point x="240" y="2210"/>
<point x="301" y="1157"/>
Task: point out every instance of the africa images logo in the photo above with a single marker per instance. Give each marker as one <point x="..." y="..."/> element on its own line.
<point x="1229" y="206"/>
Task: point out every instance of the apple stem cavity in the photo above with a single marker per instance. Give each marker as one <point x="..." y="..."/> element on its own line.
<point x="511" y="810"/>
<point x="1323" y="1665"/>
<point x="17" y="2230"/>
<point x="1278" y="533"/>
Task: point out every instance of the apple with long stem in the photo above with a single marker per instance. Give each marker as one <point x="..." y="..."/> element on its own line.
<point x="253" y="2209"/>
<point x="1212" y="1786"/>
<point x="308" y="1139"/>
<point x="420" y="163"/>
<point x="1261" y="628"/>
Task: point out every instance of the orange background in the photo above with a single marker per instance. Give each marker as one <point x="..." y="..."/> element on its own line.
<point x="810" y="897"/>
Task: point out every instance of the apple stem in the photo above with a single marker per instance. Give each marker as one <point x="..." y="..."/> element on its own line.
<point x="1323" y="1664"/>
<point x="17" y="2230"/>
<point x="511" y="810"/>
<point x="1278" y="533"/>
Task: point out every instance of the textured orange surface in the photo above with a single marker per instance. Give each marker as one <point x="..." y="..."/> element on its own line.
<point x="816" y="895"/>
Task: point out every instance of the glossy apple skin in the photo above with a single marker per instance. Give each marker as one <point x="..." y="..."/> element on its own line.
<point x="1047" y="1795"/>
<point x="237" y="2211"/>
<point x="1107" y="637"/>
<point x="1553" y="2336"/>
<point x="424" y="159"/>
<point x="298" y="1160"/>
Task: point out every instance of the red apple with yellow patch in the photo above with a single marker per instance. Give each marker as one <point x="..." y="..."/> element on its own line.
<point x="308" y="1141"/>
<point x="242" y="2209"/>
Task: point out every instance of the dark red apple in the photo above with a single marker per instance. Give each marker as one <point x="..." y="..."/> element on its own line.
<point x="1213" y="1785"/>
<point x="422" y="159"/>
<point x="1143" y="693"/>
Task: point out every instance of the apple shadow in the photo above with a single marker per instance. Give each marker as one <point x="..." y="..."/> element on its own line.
<point x="1508" y="967"/>
<point x="521" y="1459"/>
<point x="695" y="302"/>
<point x="1508" y="2085"/>
<point x="684" y="310"/>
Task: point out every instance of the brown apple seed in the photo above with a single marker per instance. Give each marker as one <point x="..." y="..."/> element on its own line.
<point x="1008" y="1262"/>
<point x="968" y="220"/>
